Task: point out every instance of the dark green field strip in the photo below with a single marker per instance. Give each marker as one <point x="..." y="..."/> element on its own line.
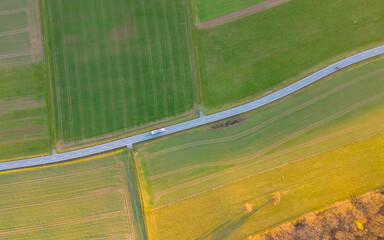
<point x="243" y="59"/>
<point x="115" y="68"/>
<point x="208" y="156"/>
<point x="208" y="10"/>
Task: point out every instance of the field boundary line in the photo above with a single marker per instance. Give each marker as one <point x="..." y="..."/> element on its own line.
<point x="13" y="11"/>
<point x="286" y="113"/>
<point x="267" y="170"/>
<point x="240" y="14"/>
<point x="57" y="95"/>
<point x="35" y="34"/>
<point x="96" y="217"/>
<point x="19" y="54"/>
<point x="83" y="195"/>
<point x="298" y="133"/>
<point x="21" y="30"/>
<point x="124" y="190"/>
<point x="61" y="176"/>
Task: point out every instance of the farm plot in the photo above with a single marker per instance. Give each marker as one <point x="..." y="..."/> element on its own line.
<point x="251" y="56"/>
<point x="302" y="187"/>
<point x="118" y="66"/>
<point x="23" y="112"/>
<point x="341" y="109"/>
<point x="20" y="34"/>
<point x="89" y="198"/>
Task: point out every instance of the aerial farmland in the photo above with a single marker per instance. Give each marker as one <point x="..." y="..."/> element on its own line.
<point x="191" y="119"/>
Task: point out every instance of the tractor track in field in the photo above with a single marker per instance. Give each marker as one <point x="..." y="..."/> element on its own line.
<point x="202" y="120"/>
<point x="240" y="14"/>
<point x="271" y="147"/>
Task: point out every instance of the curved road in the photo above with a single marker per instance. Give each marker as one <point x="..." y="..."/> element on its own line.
<point x="195" y="122"/>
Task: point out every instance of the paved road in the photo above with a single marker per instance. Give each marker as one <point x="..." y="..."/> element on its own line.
<point x="195" y="122"/>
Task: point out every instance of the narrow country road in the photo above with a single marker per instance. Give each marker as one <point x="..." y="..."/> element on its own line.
<point x="195" y="122"/>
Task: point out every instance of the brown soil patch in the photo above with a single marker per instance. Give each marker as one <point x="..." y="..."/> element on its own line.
<point x="240" y="14"/>
<point x="121" y="32"/>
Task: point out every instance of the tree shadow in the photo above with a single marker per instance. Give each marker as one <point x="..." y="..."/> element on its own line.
<point x="226" y="228"/>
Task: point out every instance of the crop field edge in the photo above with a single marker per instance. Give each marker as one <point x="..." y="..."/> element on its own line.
<point x="47" y="74"/>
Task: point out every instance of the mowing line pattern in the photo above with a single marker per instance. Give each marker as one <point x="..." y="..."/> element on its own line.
<point x="118" y="67"/>
<point x="89" y="192"/>
<point x="168" y="186"/>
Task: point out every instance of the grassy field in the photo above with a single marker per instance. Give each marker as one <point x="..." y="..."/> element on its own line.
<point x="23" y="112"/>
<point x="118" y="67"/>
<point x="304" y="186"/>
<point x="245" y="58"/>
<point x="20" y="38"/>
<point x="208" y="10"/>
<point x="90" y="198"/>
<point x="341" y="109"/>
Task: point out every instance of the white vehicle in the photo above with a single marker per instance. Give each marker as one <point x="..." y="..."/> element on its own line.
<point x="157" y="131"/>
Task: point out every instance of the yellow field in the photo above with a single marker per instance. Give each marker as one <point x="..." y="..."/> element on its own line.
<point x="304" y="186"/>
<point x="85" y="199"/>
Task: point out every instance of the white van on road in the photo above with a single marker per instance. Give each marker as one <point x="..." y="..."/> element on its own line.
<point x="157" y="131"/>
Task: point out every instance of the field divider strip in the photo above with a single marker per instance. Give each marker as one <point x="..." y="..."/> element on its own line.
<point x="13" y="11"/>
<point x="22" y="30"/>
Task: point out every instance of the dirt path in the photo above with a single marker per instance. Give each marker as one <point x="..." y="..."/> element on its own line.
<point x="240" y="14"/>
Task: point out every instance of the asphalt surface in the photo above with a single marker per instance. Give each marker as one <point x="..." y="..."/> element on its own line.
<point x="29" y="162"/>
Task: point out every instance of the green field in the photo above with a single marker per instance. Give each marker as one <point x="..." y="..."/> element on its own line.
<point x="86" y="199"/>
<point x="118" y="66"/>
<point x="23" y="112"/>
<point x="208" y="10"/>
<point x="245" y="58"/>
<point x="341" y="109"/>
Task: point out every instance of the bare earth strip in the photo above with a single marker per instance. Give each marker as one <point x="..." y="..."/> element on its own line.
<point x="14" y="32"/>
<point x="240" y="14"/>
<point x="35" y="30"/>
<point x="13" y="11"/>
